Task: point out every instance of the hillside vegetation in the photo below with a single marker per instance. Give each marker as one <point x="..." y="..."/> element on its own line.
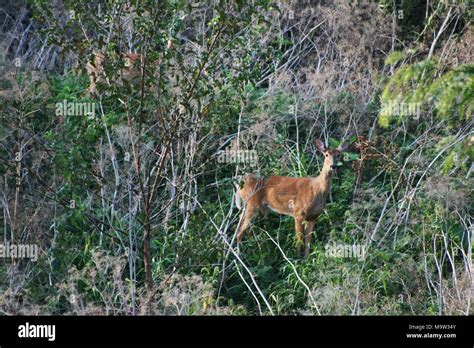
<point x="129" y="191"/>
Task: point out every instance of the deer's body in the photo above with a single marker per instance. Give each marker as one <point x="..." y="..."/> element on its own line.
<point x="303" y="199"/>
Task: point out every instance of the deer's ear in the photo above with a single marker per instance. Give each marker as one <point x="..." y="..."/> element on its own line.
<point x="320" y="145"/>
<point x="343" y="147"/>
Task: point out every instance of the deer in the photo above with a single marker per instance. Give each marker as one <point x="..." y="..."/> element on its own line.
<point x="304" y="199"/>
<point x="96" y="72"/>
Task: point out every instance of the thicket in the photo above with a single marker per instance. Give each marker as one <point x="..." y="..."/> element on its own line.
<point x="132" y="210"/>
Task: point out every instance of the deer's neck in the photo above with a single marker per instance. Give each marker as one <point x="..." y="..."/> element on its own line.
<point x="324" y="180"/>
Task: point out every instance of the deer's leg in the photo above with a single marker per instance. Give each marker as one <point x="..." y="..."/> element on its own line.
<point x="308" y="233"/>
<point x="299" y="228"/>
<point x="249" y="212"/>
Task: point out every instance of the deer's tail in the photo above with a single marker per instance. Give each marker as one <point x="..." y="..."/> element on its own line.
<point x="238" y="200"/>
<point x="249" y="180"/>
<point x="238" y="197"/>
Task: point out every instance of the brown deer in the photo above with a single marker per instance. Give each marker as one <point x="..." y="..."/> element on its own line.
<point x="96" y="72"/>
<point x="302" y="198"/>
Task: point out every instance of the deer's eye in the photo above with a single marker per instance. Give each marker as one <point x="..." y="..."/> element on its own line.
<point x="326" y="155"/>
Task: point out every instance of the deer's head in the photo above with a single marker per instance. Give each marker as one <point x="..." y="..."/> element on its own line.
<point x="330" y="155"/>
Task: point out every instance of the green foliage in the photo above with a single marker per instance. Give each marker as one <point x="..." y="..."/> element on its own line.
<point x="392" y="192"/>
<point x="449" y="94"/>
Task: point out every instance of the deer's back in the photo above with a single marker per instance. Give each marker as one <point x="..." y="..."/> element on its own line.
<point x="284" y="195"/>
